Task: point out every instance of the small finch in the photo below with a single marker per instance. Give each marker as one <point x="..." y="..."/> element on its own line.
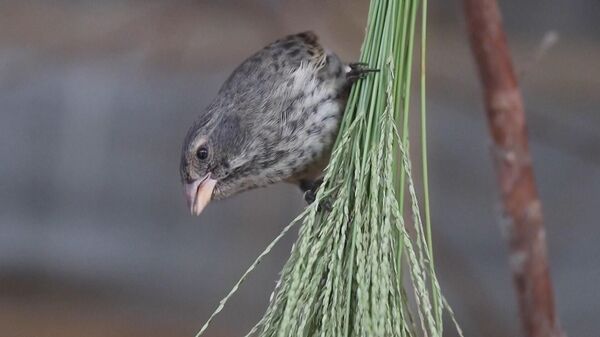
<point x="274" y="119"/>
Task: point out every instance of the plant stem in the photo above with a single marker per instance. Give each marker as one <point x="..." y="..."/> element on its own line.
<point x="521" y="205"/>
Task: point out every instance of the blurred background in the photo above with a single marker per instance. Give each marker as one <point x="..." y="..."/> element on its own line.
<point x="96" y="97"/>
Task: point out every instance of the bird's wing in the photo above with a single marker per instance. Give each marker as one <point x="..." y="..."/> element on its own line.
<point x="276" y="61"/>
<point x="298" y="49"/>
<point x="273" y="76"/>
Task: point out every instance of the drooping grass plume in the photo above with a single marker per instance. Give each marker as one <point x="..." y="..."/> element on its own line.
<point x="346" y="272"/>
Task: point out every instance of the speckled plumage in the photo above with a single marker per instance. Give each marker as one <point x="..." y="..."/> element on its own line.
<point x="274" y="119"/>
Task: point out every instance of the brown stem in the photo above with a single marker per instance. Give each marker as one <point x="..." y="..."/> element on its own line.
<point x="521" y="206"/>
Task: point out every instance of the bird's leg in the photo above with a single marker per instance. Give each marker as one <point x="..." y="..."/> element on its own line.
<point x="359" y="70"/>
<point x="310" y="188"/>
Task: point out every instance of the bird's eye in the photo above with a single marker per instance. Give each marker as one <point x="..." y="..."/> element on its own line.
<point x="202" y="153"/>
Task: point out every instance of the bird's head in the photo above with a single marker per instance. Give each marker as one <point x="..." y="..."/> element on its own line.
<point x="212" y="144"/>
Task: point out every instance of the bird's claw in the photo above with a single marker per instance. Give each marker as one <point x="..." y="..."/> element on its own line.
<point x="310" y="195"/>
<point x="359" y="70"/>
<point x="324" y="205"/>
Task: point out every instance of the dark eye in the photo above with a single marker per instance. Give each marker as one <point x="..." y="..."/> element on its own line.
<point x="202" y="153"/>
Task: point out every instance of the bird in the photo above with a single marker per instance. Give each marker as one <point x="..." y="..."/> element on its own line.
<point x="275" y="119"/>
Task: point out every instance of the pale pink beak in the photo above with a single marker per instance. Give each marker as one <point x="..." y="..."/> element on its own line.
<point x="198" y="193"/>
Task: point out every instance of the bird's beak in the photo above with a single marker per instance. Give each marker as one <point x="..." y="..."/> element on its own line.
<point x="199" y="192"/>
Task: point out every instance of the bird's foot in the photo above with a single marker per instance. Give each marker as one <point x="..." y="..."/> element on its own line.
<point x="359" y="70"/>
<point x="310" y="194"/>
<point x="324" y="205"/>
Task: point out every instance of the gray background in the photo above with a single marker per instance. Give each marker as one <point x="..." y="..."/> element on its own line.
<point x="95" y="98"/>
